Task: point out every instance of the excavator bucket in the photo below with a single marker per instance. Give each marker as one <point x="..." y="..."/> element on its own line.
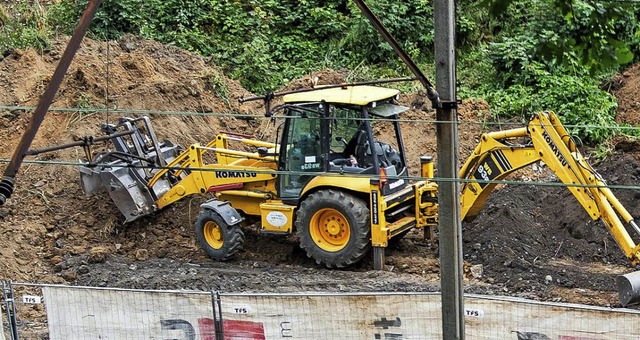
<point x="125" y="172"/>
<point x="629" y="288"/>
<point x="127" y="191"/>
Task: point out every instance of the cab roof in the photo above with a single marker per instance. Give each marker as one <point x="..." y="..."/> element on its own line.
<point x="354" y="95"/>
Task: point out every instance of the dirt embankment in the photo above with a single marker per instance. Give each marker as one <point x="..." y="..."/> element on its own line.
<point x="530" y="241"/>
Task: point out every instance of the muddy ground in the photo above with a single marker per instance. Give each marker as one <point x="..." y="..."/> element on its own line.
<point x="529" y="241"/>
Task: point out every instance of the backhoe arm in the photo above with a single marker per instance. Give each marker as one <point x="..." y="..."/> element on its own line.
<point x="498" y="154"/>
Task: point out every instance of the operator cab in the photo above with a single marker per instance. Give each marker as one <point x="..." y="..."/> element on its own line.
<point x="330" y="131"/>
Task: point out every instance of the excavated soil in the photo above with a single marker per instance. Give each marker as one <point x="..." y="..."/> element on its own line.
<point x="528" y="241"/>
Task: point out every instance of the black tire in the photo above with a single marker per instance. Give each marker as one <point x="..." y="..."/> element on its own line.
<point x="218" y="239"/>
<point x="333" y="227"/>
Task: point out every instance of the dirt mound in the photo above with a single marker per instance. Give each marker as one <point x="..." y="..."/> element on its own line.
<point x="531" y="238"/>
<point x="626" y="88"/>
<point x="48" y="218"/>
<point x="523" y="243"/>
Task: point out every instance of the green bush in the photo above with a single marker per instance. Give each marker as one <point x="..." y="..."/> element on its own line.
<point x="586" y="110"/>
<point x="264" y="43"/>
<point x="522" y="55"/>
<point x="23" y="25"/>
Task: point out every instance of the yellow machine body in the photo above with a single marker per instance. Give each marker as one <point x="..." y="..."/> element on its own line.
<point x="337" y="203"/>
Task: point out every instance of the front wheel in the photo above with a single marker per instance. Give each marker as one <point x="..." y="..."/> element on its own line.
<point x="218" y="239"/>
<point x="333" y="228"/>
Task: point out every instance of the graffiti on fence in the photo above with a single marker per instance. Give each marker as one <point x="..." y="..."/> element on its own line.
<point x="385" y="324"/>
<point x="232" y="329"/>
<point x="540" y="336"/>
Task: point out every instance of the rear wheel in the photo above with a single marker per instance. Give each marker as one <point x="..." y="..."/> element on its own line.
<point x="218" y="239"/>
<point x="333" y="228"/>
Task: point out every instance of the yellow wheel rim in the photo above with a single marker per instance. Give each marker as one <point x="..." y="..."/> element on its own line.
<point x="213" y="235"/>
<point x="330" y="230"/>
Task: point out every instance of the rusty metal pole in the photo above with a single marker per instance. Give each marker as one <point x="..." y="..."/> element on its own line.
<point x="7" y="183"/>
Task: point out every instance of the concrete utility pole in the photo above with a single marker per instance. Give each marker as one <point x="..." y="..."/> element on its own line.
<point x="449" y="225"/>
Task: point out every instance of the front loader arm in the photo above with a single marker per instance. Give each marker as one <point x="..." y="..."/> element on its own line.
<point x="247" y="168"/>
<point x="497" y="155"/>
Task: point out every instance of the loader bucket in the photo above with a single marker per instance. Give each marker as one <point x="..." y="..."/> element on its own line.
<point x="90" y="181"/>
<point x="123" y="184"/>
<point x="629" y="288"/>
<point x="130" y="195"/>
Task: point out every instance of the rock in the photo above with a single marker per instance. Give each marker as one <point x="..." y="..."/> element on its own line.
<point x="83" y="269"/>
<point x="476" y="271"/>
<point x="548" y="279"/>
<point x="69" y="275"/>
<point x="77" y="250"/>
<point x="57" y="259"/>
<point x="142" y="254"/>
<point x="477" y="246"/>
<point x="98" y="254"/>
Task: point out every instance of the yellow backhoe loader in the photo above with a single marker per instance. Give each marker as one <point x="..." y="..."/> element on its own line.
<point x="328" y="180"/>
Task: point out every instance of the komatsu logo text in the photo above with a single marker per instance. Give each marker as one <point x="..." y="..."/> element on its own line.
<point x="235" y="174"/>
<point x="554" y="148"/>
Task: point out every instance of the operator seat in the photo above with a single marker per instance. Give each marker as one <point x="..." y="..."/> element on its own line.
<point x="343" y="158"/>
<point x="385" y="153"/>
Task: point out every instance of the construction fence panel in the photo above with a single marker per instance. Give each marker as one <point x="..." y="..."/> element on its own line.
<point x="84" y="313"/>
<point x="335" y="316"/>
<point x="30" y="318"/>
<point x="3" y="330"/>
<point x="95" y="313"/>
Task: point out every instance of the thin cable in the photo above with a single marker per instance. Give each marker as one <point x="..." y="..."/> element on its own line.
<point x="261" y="116"/>
<point x="329" y="174"/>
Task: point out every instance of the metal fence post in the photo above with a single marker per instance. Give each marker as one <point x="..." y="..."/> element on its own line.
<point x="10" y="307"/>
<point x="1" y="320"/>
<point x="217" y="315"/>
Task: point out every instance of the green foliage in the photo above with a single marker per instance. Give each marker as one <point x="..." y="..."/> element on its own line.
<point x="553" y="55"/>
<point x="586" y="110"/>
<point x="522" y="55"/>
<point x="596" y="33"/>
<point x="215" y="83"/>
<point x="264" y="43"/>
<point x="410" y="22"/>
<point x="584" y="35"/>
<point x="22" y="25"/>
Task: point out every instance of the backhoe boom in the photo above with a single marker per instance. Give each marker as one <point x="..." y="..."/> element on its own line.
<point x="499" y="154"/>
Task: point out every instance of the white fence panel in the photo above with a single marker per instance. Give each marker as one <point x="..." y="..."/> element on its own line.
<point x="1" y="325"/>
<point x="513" y="318"/>
<point x="78" y="313"/>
